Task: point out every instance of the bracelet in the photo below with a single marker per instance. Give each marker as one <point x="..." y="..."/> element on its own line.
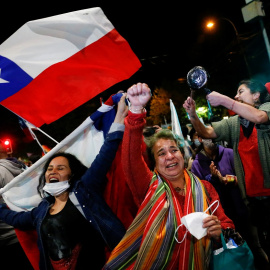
<point x="137" y="110"/>
<point x="232" y="105"/>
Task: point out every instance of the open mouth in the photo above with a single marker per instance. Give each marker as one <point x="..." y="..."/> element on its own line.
<point x="171" y="165"/>
<point x="54" y="180"/>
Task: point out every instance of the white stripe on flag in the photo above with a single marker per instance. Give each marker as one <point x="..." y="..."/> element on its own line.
<point x="55" y="42"/>
<point x="84" y="142"/>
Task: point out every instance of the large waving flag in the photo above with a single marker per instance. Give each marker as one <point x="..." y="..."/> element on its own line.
<point x="50" y="66"/>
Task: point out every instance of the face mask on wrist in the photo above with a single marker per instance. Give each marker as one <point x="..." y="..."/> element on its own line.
<point x="57" y="188"/>
<point x="194" y="223"/>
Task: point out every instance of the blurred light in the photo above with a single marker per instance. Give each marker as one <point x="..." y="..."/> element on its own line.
<point x="210" y="24"/>
<point x="202" y="110"/>
<point x="182" y="80"/>
<point x="7" y="144"/>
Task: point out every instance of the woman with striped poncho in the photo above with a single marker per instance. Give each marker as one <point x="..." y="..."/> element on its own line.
<point x="154" y="240"/>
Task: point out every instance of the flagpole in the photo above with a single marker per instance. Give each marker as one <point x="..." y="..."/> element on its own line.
<point x="42" y="132"/>
<point x="35" y="137"/>
<point x="33" y="126"/>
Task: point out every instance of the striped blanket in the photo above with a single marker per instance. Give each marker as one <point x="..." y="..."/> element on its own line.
<point x="149" y="241"/>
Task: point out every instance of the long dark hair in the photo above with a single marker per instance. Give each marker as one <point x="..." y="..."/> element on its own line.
<point x="76" y="167"/>
<point x="257" y="87"/>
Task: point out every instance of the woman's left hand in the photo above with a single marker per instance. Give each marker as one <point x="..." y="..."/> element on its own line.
<point x="216" y="173"/>
<point x="212" y="223"/>
<point x="122" y="110"/>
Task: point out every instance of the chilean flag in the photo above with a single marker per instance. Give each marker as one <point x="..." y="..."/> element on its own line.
<point x="50" y="66"/>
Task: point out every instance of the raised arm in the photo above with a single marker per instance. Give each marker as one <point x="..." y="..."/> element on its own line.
<point x="95" y="177"/>
<point x="244" y="110"/>
<point x="136" y="171"/>
<point x="203" y="131"/>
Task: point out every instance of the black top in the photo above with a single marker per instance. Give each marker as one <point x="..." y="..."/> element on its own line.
<point x="63" y="231"/>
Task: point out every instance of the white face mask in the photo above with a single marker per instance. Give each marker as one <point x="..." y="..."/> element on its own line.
<point x="197" y="142"/>
<point x="194" y="222"/>
<point x="57" y="188"/>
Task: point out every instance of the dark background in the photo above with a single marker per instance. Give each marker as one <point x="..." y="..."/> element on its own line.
<point x="169" y="38"/>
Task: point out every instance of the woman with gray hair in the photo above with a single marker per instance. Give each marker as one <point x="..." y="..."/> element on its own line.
<point x="156" y="238"/>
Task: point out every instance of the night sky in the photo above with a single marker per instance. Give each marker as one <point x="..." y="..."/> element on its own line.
<point x="169" y="39"/>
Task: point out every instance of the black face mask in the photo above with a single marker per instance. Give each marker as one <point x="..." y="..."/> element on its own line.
<point x="247" y="126"/>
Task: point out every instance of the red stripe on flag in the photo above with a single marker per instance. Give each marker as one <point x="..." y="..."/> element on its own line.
<point x="66" y="85"/>
<point x="28" y="241"/>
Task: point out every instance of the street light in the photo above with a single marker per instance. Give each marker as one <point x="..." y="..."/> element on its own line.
<point x="211" y="24"/>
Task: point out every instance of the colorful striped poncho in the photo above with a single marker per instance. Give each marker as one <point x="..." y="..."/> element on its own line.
<point x="149" y="242"/>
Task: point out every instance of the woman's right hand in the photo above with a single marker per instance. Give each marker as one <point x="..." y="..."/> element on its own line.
<point x="138" y="94"/>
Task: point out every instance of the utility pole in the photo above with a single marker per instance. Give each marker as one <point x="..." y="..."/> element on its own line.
<point x="254" y="11"/>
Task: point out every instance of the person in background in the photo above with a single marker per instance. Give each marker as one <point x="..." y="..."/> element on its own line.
<point x="212" y="163"/>
<point x="249" y="134"/>
<point x="73" y="222"/>
<point x="12" y="254"/>
<point x="166" y="195"/>
<point x="195" y="143"/>
<point x="215" y="164"/>
<point x="188" y="151"/>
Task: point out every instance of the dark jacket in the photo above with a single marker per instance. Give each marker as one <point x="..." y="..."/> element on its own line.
<point x="88" y="193"/>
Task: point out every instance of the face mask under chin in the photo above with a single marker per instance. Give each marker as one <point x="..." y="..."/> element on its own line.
<point x="57" y="188"/>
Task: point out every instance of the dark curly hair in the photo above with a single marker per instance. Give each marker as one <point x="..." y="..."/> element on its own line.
<point x="162" y="134"/>
<point x="76" y="167"/>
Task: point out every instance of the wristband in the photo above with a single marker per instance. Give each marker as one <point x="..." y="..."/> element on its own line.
<point x="232" y="105"/>
<point x="137" y="110"/>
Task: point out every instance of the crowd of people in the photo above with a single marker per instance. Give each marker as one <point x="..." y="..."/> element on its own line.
<point x="164" y="184"/>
